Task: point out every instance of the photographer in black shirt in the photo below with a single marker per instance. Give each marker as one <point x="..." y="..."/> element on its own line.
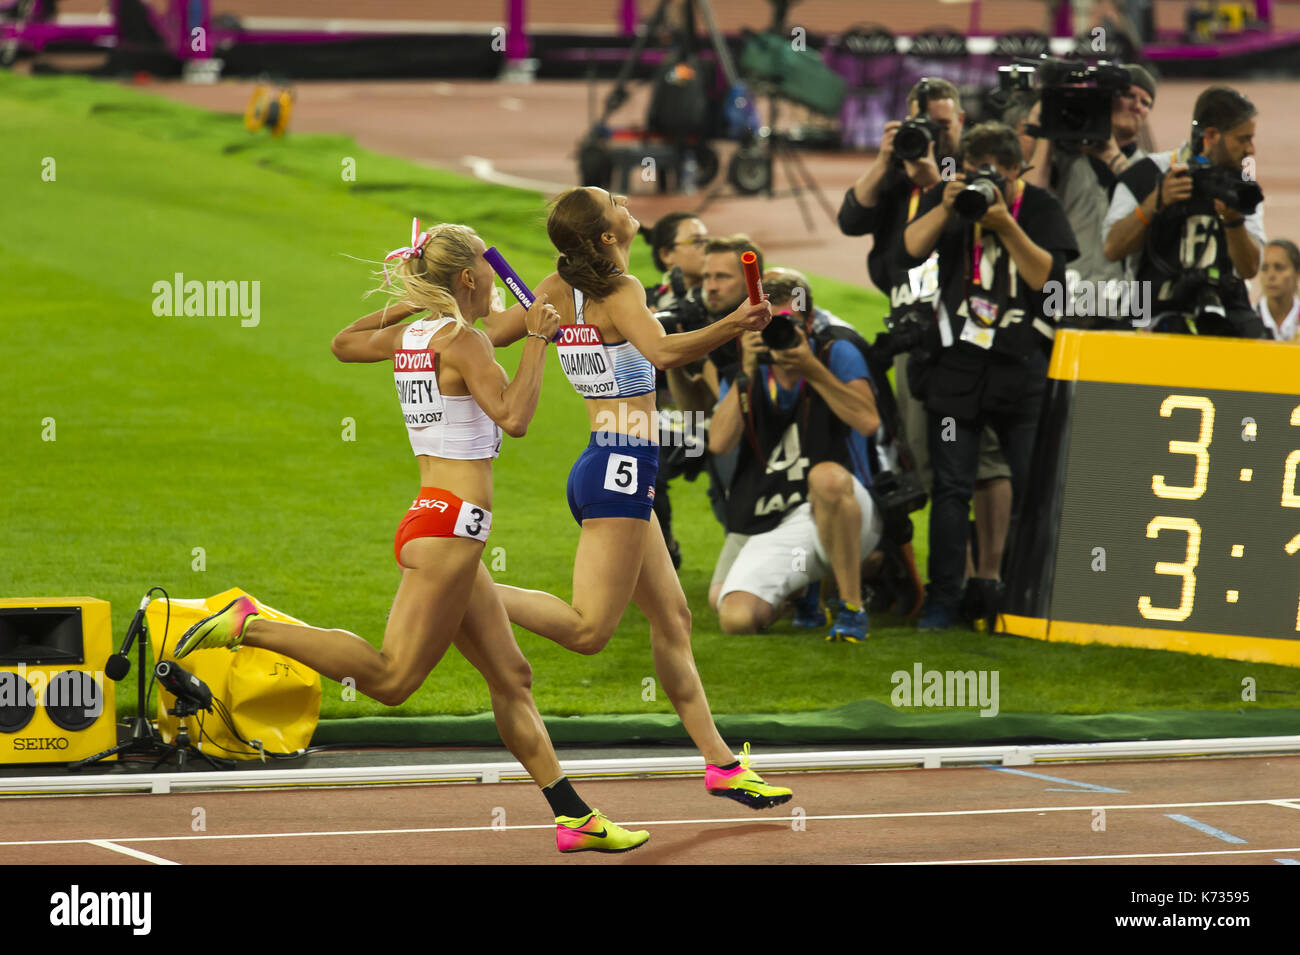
<point x="1000" y="241"/>
<point x="1195" y="219"/>
<point x="881" y="203"/>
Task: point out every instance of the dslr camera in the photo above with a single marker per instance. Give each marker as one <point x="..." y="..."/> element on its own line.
<point x="780" y="332"/>
<point x="905" y="333"/>
<point x="913" y="139"/>
<point x="1077" y="97"/>
<point x="1215" y="182"/>
<point x="979" y="193"/>
<point x="685" y="313"/>
<point x="1198" y="294"/>
<point x="1210" y="181"/>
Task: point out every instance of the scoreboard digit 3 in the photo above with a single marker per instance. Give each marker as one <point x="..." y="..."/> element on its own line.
<point x="1163" y="509"/>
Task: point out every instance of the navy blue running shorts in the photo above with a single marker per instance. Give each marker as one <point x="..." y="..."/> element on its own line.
<point x="614" y="477"/>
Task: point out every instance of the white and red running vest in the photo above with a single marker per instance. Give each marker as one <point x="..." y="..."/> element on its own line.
<point x="446" y="426"/>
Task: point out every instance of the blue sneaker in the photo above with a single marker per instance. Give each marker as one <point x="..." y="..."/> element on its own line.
<point x="808" y="612"/>
<point x="937" y="616"/>
<point x="851" y="626"/>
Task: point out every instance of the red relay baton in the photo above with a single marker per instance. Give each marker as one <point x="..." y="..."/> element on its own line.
<point x="750" y="263"/>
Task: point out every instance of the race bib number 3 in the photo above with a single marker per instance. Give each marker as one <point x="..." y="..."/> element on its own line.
<point x="620" y="474"/>
<point x="473" y="521"/>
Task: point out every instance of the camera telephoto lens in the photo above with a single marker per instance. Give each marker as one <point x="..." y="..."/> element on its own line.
<point x="780" y="333"/>
<point x="912" y="141"/>
<point x="974" y="201"/>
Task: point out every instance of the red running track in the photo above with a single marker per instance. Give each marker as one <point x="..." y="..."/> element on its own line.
<point x="1108" y="813"/>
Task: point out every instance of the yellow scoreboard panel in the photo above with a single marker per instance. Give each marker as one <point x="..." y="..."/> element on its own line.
<point x="1163" y="508"/>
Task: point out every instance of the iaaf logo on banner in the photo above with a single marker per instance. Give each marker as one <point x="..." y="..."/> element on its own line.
<point x="579" y="335"/>
<point x="413" y="360"/>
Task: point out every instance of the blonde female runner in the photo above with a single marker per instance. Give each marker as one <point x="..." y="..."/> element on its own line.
<point x="456" y="400"/>
<point x="609" y="346"/>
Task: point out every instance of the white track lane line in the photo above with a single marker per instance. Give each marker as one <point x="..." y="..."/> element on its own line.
<point x="783" y="820"/>
<point x="1129" y="855"/>
<point x="486" y="170"/>
<point x="134" y="853"/>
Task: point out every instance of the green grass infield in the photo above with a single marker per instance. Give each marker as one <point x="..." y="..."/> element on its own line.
<point x="201" y="453"/>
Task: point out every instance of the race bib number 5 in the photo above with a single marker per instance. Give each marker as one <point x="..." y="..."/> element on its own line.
<point x="620" y="474"/>
<point x="473" y="521"/>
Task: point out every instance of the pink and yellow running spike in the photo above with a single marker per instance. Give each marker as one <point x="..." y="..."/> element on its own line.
<point x="595" y="833"/>
<point x="225" y="628"/>
<point x="744" y="785"/>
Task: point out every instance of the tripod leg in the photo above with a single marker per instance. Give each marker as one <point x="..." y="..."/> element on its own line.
<point x="812" y="187"/>
<point x="783" y="150"/>
<point x="617" y="95"/>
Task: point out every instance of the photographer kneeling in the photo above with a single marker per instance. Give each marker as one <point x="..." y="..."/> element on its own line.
<point x="796" y="511"/>
<point x="1199" y="226"/>
<point x="1000" y="240"/>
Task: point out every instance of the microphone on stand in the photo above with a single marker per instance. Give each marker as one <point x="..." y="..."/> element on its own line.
<point x="119" y="664"/>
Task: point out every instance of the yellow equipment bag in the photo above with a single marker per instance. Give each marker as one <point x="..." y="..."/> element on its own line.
<point x="269" y="697"/>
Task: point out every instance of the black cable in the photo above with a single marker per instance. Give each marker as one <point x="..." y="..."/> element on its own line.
<point x="162" y="650"/>
<point x="220" y="708"/>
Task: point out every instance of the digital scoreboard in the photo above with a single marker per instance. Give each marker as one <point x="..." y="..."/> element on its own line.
<point x="1163" y="508"/>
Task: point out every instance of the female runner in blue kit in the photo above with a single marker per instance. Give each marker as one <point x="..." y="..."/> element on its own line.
<point x="609" y="346"/>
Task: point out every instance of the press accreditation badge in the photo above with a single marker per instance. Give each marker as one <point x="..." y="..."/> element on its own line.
<point x="584" y="360"/>
<point x="979" y="330"/>
<point x="417" y="387"/>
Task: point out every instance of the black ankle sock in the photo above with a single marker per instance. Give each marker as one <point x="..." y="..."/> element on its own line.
<point x="564" y="801"/>
<point x="731" y="765"/>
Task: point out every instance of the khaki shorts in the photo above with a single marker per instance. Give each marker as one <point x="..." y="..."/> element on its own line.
<point x="915" y="420"/>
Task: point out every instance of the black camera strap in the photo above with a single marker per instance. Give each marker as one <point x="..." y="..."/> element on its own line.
<point x="1001" y="279"/>
<point x="745" y="395"/>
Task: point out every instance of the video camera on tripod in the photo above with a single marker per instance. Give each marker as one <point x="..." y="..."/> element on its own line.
<point x="1077" y="97"/>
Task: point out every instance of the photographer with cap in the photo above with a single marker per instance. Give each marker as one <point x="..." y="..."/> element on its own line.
<point x="797" y="506"/>
<point x="677" y="244"/>
<point x="1084" y="176"/>
<point x="1000" y="240"/>
<point x="1194" y="218"/>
